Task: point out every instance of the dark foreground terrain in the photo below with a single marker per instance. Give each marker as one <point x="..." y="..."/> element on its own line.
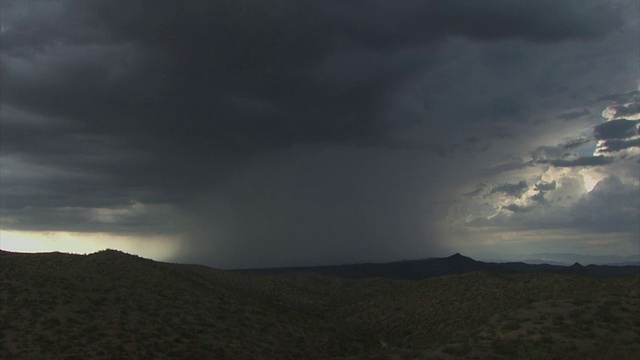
<point x="114" y="305"/>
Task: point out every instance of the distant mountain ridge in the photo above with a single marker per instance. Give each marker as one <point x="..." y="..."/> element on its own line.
<point x="570" y="258"/>
<point x="454" y="264"/>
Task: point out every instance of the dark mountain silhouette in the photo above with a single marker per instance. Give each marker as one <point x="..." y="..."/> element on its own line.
<point x="454" y="264"/>
<point x="569" y="258"/>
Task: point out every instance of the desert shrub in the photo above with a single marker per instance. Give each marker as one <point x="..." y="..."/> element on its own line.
<point x="511" y="326"/>
<point x="558" y="320"/>
<point x="456" y="349"/>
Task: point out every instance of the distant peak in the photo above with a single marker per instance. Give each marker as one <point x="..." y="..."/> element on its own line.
<point x="577" y="265"/>
<point x="458" y="258"/>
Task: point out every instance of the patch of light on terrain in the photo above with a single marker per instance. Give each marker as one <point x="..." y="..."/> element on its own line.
<point x="159" y="248"/>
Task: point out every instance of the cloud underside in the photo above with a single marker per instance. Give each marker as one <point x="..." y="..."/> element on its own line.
<point x="619" y="144"/>
<point x="581" y="161"/>
<point x="617" y="129"/>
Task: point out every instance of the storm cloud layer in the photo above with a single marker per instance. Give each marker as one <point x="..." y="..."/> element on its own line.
<point x="276" y="133"/>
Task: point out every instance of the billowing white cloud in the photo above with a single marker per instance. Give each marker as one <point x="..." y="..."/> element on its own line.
<point x="588" y="196"/>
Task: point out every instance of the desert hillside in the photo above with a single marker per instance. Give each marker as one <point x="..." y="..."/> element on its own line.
<point x="113" y="305"/>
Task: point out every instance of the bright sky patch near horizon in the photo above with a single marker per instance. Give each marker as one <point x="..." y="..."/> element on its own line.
<point x="158" y="248"/>
<point x="252" y="134"/>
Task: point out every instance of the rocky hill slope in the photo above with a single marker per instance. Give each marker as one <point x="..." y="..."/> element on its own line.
<point x="114" y="305"/>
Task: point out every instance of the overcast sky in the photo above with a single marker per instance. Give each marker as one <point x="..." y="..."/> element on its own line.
<point x="267" y="133"/>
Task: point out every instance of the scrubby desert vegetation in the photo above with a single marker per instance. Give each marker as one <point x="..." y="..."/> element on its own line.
<point x="114" y="305"/>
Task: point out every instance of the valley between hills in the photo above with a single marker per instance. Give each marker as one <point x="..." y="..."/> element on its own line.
<point x="112" y="305"/>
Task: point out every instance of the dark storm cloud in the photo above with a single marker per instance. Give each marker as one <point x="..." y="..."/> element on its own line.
<point x="539" y="197"/>
<point x="244" y="74"/>
<point x="621" y="98"/>
<point x="624" y="110"/>
<point x="616" y="129"/>
<point x="546" y="153"/>
<point x="509" y="167"/>
<point x="545" y="186"/>
<point x="542" y="188"/>
<point x="559" y="157"/>
<point x="619" y="144"/>
<point x="114" y="102"/>
<point x="217" y="82"/>
<point x="515" y="190"/>
<point x="125" y="220"/>
<point x="582" y="161"/>
<point x="517" y="208"/>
